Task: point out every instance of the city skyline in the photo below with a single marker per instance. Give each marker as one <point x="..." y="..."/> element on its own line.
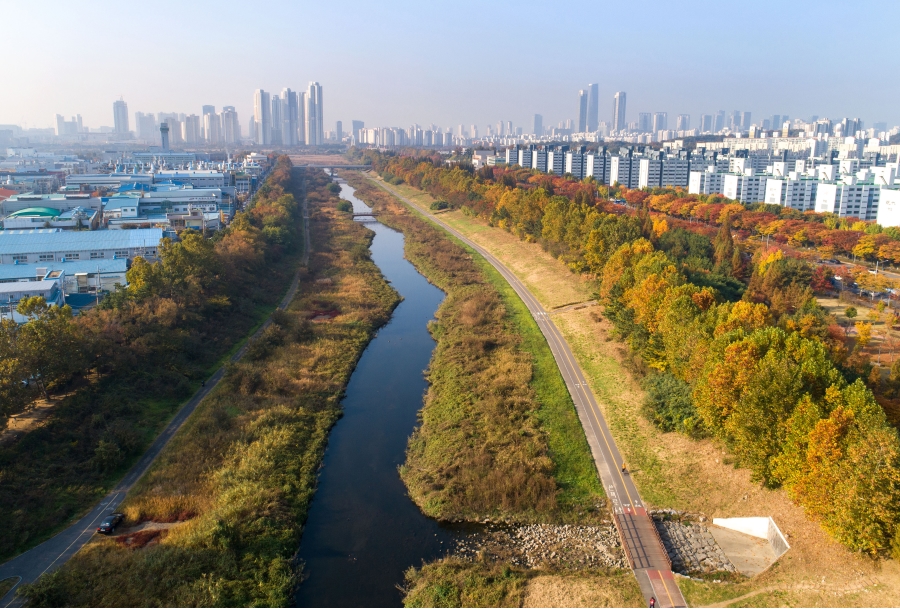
<point x="384" y="82"/>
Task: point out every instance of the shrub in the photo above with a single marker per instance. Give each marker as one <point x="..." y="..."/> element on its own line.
<point x="438" y="205"/>
<point x="344" y="206"/>
<point x="669" y="405"/>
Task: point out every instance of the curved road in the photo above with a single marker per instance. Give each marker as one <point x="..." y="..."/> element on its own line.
<point x="54" y="552"/>
<point x="642" y="544"/>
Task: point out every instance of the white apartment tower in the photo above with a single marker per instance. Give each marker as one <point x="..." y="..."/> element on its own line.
<point x="262" y="116"/>
<point x="315" y="128"/>
<point x="619" y="111"/>
<point x="290" y="116"/>
<point x="120" y="116"/>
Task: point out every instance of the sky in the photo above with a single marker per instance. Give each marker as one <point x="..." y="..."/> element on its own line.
<point x="395" y="63"/>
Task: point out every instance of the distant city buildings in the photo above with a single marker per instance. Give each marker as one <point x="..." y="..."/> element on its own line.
<point x="120" y="117"/>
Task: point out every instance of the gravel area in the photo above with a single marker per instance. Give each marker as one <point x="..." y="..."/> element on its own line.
<point x="531" y="546"/>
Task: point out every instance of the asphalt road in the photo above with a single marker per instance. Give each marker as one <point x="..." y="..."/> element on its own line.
<point x="643" y="547"/>
<point x="54" y="552"/>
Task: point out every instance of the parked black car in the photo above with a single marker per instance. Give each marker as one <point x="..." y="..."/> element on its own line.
<point x="110" y="523"/>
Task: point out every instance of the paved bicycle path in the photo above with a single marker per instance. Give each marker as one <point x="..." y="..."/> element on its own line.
<point x="54" y="552"/>
<point x="643" y="547"/>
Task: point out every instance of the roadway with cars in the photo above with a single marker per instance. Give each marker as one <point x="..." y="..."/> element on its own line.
<point x="54" y="552"/>
<point x="643" y="547"/>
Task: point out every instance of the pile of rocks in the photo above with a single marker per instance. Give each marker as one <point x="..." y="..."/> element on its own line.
<point x="530" y="546"/>
<point x="691" y="547"/>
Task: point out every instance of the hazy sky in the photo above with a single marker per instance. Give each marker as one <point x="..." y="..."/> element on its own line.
<point x="394" y="63"/>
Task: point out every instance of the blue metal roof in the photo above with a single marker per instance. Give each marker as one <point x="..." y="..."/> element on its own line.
<point x="38" y="241"/>
<point x="29" y="271"/>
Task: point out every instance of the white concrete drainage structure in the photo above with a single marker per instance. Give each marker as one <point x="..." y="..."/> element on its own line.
<point x="751" y="544"/>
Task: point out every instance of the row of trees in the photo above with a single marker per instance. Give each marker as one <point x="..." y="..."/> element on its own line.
<point x="739" y="347"/>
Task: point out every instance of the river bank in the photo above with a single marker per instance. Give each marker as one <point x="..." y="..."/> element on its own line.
<point x="238" y="479"/>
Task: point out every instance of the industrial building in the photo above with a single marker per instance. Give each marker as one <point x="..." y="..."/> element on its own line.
<point x="56" y="245"/>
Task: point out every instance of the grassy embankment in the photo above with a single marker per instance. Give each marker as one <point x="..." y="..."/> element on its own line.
<point x="499" y="436"/>
<point x="223" y="507"/>
<point x="677" y="472"/>
<point x="51" y="475"/>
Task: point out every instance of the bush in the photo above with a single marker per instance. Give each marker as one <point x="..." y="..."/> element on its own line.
<point x="669" y="405"/>
<point x="334" y="188"/>
<point x="438" y="205"/>
<point x="344" y="206"/>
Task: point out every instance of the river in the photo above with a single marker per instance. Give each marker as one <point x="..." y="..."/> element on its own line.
<point x="363" y="531"/>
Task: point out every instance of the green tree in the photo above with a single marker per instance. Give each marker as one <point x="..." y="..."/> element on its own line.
<point x="48" y="343"/>
<point x="850" y="312"/>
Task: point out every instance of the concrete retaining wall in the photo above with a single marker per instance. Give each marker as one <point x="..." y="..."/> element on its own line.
<point x="763" y="527"/>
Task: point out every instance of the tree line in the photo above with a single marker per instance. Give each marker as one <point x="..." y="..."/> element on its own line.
<point x="737" y="346"/>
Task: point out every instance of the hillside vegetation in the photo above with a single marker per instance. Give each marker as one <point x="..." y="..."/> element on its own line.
<point x="218" y="518"/>
<point x="734" y="346"/>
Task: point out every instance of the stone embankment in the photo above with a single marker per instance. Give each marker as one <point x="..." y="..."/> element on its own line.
<point x="545" y="545"/>
<point x="691" y="547"/>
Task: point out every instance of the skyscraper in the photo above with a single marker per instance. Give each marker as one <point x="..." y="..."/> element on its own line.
<point x="745" y="120"/>
<point x="315" y="129"/>
<point x="660" y="121"/>
<point x="593" y="113"/>
<point x="277" y="120"/>
<point x="120" y="116"/>
<point x="190" y="129"/>
<point x="538" y="125"/>
<point x="301" y="118"/>
<point x="706" y="123"/>
<point x="645" y="122"/>
<point x="262" y="114"/>
<point x="582" y="110"/>
<point x="290" y="114"/>
<point x="618" y="119"/>
<point x="231" y="128"/>
<point x="720" y="121"/>
<point x="356" y="126"/>
<point x="339" y="131"/>
<point x="683" y="122"/>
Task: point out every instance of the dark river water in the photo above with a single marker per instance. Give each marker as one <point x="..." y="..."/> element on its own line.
<point x="363" y="531"/>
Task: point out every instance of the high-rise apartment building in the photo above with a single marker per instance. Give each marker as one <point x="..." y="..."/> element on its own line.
<point x="745" y="120"/>
<point x="290" y="116"/>
<point x="356" y="126"/>
<point x="582" y="110"/>
<point x="277" y="120"/>
<point x="190" y="129"/>
<point x="706" y="123"/>
<point x="593" y="112"/>
<point x="660" y="121"/>
<point x="683" y="122"/>
<point x="120" y="116"/>
<point x="262" y="115"/>
<point x="645" y="122"/>
<point x="538" y="125"/>
<point x="231" y="128"/>
<point x="212" y="128"/>
<point x="315" y="129"/>
<point x="145" y="125"/>
<point x="720" y="121"/>
<point x="618" y="118"/>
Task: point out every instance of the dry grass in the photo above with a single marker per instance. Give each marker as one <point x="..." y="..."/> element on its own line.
<point x="674" y="471"/>
<point x="486" y="445"/>
<point x="583" y="590"/>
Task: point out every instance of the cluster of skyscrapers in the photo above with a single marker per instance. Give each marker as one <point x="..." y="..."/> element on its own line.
<point x="290" y="119"/>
